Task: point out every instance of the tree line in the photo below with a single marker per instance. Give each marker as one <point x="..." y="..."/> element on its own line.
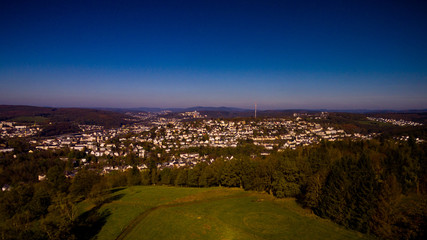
<point x="376" y="187"/>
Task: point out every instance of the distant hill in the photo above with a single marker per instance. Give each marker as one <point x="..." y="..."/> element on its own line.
<point x="104" y="118"/>
<point x="228" y="111"/>
<point x="114" y="117"/>
<point x="190" y="109"/>
<point x="217" y="112"/>
<point x="217" y="109"/>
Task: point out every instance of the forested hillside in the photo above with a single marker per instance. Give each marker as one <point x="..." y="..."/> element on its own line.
<point x="375" y="187"/>
<point x="32" y="114"/>
<point x="371" y="186"/>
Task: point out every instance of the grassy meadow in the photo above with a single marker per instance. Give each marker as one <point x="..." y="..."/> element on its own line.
<point x="30" y="119"/>
<point x="157" y="212"/>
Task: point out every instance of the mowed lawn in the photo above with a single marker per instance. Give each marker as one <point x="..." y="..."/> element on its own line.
<point x="157" y="212"/>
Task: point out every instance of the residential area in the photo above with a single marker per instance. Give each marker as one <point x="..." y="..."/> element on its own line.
<point x="399" y="122"/>
<point x="173" y="138"/>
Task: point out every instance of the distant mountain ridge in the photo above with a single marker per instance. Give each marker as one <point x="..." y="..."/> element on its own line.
<point x="115" y="116"/>
<point x="235" y="109"/>
<point x="190" y="109"/>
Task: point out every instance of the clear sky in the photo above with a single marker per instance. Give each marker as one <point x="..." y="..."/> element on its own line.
<point x="279" y="54"/>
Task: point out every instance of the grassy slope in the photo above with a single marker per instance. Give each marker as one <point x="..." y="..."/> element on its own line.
<point x="212" y="213"/>
<point x="135" y="200"/>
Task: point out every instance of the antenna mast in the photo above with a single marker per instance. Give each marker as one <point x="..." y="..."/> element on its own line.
<point x="255" y="110"/>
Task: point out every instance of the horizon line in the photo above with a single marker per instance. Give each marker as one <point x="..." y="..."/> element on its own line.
<point x="236" y="108"/>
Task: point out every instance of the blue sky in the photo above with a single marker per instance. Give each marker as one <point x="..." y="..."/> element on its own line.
<point x="279" y="54"/>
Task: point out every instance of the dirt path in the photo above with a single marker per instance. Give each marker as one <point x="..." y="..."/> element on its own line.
<point x="129" y="228"/>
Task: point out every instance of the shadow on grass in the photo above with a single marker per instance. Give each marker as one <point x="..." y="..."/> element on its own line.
<point x="116" y="189"/>
<point x="91" y="222"/>
<point x="110" y="199"/>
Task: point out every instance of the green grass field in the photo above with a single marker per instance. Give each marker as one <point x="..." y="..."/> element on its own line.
<point x="34" y="119"/>
<point x="374" y="123"/>
<point x="158" y="212"/>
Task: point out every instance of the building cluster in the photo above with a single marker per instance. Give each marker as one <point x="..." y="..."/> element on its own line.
<point x="406" y="138"/>
<point x="171" y="135"/>
<point x="143" y="116"/>
<point x="96" y="143"/>
<point x="11" y="129"/>
<point x="399" y="122"/>
<point x="181" y="160"/>
<point x="87" y="128"/>
<point x="194" y="114"/>
<point x="175" y="138"/>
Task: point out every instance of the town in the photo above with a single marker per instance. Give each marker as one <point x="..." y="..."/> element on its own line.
<point x="172" y="139"/>
<point x="399" y="122"/>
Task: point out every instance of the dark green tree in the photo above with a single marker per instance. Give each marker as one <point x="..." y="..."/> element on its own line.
<point x="181" y="178"/>
<point x="56" y="176"/>
<point x="133" y="176"/>
<point x="83" y="182"/>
